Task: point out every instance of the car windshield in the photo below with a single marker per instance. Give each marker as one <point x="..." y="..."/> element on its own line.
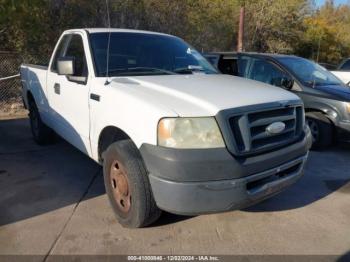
<point x="308" y="72"/>
<point x="133" y="54"/>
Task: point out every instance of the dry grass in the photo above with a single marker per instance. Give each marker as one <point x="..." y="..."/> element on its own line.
<point x="9" y="110"/>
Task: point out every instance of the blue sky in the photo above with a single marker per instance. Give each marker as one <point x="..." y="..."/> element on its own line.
<point x="337" y="2"/>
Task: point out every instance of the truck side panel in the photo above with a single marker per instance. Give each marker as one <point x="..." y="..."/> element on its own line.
<point x="33" y="80"/>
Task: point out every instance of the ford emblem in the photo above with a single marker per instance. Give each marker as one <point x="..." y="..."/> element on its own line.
<point x="275" y="128"/>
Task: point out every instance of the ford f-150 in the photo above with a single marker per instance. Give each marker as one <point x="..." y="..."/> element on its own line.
<point x="170" y="132"/>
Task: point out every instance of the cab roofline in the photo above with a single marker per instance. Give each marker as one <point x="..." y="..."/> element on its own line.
<point x="114" y="30"/>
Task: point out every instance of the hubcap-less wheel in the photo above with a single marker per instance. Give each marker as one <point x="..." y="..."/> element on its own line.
<point x="315" y="132"/>
<point x="120" y="186"/>
<point x="127" y="185"/>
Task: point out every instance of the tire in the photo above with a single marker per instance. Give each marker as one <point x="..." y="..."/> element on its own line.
<point x="127" y="185"/>
<point x="42" y="134"/>
<point x="321" y="129"/>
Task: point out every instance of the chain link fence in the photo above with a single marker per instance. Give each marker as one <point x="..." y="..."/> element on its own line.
<point x="10" y="83"/>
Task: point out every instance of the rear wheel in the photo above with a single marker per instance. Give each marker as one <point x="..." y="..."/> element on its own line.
<point x="321" y="129"/>
<point x="42" y="134"/>
<point x="127" y="185"/>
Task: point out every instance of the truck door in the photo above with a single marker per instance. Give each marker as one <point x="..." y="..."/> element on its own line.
<point x="68" y="95"/>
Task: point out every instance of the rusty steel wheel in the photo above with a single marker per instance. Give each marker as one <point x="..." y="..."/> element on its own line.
<point x="127" y="185"/>
<point x="120" y="186"/>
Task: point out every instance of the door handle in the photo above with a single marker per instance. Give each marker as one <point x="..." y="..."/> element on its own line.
<point x="94" y="97"/>
<point x="57" y="89"/>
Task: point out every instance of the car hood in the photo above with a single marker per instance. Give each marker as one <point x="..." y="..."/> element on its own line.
<point x="202" y="95"/>
<point x="342" y="92"/>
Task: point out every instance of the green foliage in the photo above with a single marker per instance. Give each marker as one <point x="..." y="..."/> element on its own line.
<point x="275" y="26"/>
<point x="31" y="27"/>
<point x="212" y="25"/>
<point x="327" y="35"/>
<point x="22" y="24"/>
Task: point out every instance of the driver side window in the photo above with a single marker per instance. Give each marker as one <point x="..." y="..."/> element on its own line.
<point x="76" y="49"/>
<point x="59" y="52"/>
<point x="72" y="46"/>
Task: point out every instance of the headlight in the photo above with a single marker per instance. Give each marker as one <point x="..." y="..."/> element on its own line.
<point x="189" y="133"/>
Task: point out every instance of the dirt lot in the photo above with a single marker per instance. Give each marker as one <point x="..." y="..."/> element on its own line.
<point x="53" y="202"/>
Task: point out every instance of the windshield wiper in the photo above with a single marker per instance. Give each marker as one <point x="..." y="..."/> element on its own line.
<point x="189" y="69"/>
<point x="151" y="69"/>
<point x="125" y="71"/>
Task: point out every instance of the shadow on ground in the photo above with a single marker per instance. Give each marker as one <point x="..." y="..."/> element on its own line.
<point x="35" y="180"/>
<point x="38" y="179"/>
<point x="326" y="172"/>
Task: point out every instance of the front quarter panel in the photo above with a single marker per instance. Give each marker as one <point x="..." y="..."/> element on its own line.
<point x="122" y="106"/>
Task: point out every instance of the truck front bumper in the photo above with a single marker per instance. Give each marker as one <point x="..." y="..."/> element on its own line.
<point x="197" y="181"/>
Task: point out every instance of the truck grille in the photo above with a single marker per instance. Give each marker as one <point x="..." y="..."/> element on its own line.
<point x="250" y="134"/>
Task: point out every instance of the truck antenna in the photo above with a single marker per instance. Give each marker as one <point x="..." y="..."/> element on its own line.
<point x="108" y="43"/>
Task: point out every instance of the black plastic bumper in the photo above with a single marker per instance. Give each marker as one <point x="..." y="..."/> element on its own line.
<point x="195" y="181"/>
<point x="191" y="198"/>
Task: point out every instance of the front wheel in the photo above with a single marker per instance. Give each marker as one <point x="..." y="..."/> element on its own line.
<point x="321" y="129"/>
<point x="127" y="185"/>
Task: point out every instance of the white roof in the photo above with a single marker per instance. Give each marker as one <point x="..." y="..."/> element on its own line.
<point x="122" y="30"/>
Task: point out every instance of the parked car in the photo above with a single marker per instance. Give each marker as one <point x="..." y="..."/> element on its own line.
<point x="326" y="98"/>
<point x="343" y="71"/>
<point x="170" y="132"/>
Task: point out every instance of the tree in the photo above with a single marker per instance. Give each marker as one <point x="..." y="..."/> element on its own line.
<point x="327" y="34"/>
<point x="213" y="25"/>
<point x="32" y="27"/>
<point x="275" y="26"/>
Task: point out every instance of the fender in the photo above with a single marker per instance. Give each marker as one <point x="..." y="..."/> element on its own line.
<point x="329" y="110"/>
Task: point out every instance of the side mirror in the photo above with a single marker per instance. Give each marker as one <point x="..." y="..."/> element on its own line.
<point x="65" y="66"/>
<point x="287" y="83"/>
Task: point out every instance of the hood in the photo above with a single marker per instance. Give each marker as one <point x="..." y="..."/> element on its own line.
<point x="202" y="95"/>
<point x="340" y="91"/>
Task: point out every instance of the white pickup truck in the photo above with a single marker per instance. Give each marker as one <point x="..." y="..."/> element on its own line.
<point x="170" y="131"/>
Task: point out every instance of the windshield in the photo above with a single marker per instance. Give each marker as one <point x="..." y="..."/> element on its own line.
<point x="308" y="72"/>
<point x="132" y="54"/>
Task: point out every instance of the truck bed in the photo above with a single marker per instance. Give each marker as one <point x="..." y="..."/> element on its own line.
<point x="33" y="78"/>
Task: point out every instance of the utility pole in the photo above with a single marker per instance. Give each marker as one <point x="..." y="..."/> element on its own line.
<point x="240" y="44"/>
